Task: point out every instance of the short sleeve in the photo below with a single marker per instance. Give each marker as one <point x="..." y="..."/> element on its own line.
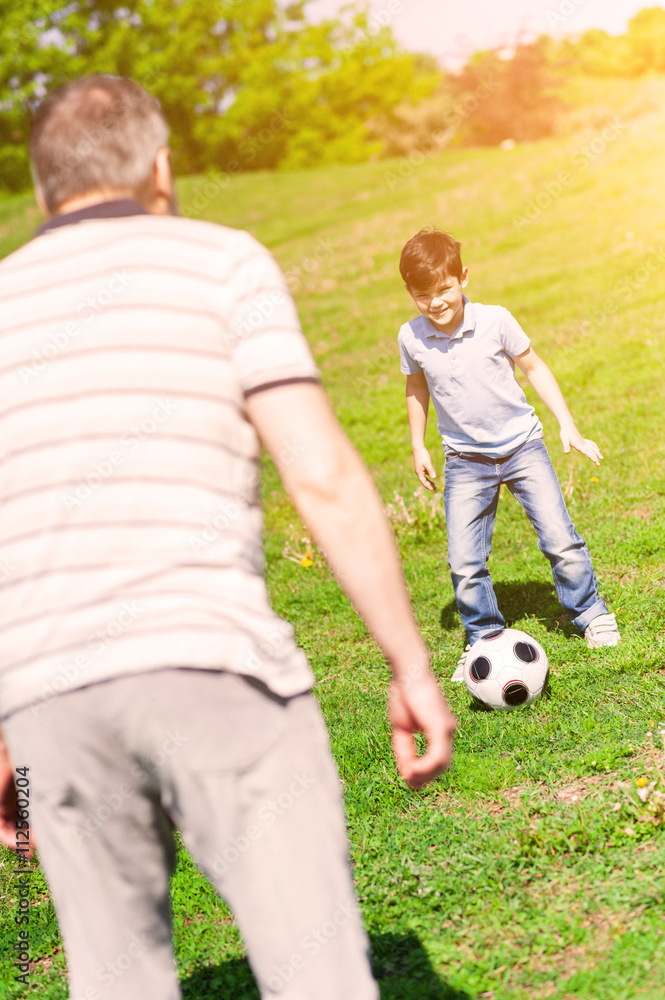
<point x="513" y="338"/>
<point x="408" y="364"/>
<point x="268" y="345"/>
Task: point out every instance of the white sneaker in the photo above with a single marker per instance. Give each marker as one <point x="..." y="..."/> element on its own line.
<point x="602" y="631"/>
<point x="458" y="676"/>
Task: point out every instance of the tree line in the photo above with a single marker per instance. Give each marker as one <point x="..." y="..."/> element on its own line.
<point x="254" y="84"/>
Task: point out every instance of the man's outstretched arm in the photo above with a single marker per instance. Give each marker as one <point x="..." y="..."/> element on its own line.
<point x="333" y="492"/>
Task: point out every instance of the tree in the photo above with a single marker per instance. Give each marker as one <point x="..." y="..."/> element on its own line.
<point x="646" y="39"/>
<point x="508" y="96"/>
<point x="25" y="64"/>
<point x="243" y="83"/>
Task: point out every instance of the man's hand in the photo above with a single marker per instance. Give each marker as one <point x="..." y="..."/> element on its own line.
<point x="9" y="822"/>
<point x="416" y="705"/>
<point x="571" y="438"/>
<point x="424" y="468"/>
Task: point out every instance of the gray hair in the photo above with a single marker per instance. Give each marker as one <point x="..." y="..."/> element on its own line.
<point x="99" y="133"/>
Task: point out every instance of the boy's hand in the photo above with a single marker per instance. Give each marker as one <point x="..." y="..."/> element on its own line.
<point x="571" y="438"/>
<point x="424" y="468"/>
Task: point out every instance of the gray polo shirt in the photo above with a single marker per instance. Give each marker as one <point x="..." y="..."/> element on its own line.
<point x="480" y="407"/>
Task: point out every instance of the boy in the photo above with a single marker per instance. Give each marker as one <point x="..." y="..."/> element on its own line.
<point x="463" y="355"/>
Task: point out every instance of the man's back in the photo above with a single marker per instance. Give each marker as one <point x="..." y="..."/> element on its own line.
<point x="132" y="522"/>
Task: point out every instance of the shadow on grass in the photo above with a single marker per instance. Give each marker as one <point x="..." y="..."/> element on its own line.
<point x="401" y="966"/>
<point x="533" y="597"/>
<point x="403" y="969"/>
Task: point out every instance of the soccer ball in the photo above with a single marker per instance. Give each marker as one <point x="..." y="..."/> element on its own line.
<point x="506" y="669"/>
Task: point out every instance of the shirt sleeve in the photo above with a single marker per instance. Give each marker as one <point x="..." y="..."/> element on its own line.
<point x="408" y="364"/>
<point x="513" y="338"/>
<point x="268" y="345"/>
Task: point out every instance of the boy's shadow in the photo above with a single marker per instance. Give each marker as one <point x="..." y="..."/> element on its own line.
<point x="534" y="597"/>
<point x="401" y="966"/>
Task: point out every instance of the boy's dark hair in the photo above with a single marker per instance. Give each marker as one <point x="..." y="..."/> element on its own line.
<point x="428" y="256"/>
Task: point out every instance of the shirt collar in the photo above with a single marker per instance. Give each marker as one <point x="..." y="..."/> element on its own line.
<point x="468" y="324"/>
<point x="117" y="209"/>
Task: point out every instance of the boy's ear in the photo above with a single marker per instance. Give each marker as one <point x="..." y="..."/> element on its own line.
<point x="465" y="277"/>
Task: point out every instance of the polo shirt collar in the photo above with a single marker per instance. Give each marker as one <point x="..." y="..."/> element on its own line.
<point x="468" y="324"/>
<point x="119" y="208"/>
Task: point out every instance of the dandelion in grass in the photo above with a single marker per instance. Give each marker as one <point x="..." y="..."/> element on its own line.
<point x="299" y="549"/>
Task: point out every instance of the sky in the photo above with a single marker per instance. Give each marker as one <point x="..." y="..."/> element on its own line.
<point x="452" y="30"/>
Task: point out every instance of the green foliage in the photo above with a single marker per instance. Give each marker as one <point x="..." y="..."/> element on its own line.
<point x="524" y="94"/>
<point x="249" y="86"/>
<point x="24" y="66"/>
<point x="646" y="37"/>
<point x="641" y="50"/>
<point x="243" y="86"/>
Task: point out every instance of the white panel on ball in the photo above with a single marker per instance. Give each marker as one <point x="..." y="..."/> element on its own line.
<point x="506" y="669"/>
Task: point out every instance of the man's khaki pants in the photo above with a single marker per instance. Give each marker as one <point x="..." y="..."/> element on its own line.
<point x="247" y="778"/>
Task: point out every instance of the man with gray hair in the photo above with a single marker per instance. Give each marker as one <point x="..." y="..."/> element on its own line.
<point x="145" y="682"/>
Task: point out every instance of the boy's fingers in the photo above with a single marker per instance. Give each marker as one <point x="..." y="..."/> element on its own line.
<point x="592" y="451"/>
<point x="424" y="478"/>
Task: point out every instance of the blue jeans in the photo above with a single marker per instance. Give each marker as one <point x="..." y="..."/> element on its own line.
<point x="471" y="495"/>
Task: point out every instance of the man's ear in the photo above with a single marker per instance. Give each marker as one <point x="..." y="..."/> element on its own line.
<point x="163" y="178"/>
<point x="465" y="277"/>
<point x="41" y="202"/>
<point x="163" y="184"/>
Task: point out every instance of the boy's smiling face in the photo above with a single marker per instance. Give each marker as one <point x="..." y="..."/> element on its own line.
<point x="443" y="302"/>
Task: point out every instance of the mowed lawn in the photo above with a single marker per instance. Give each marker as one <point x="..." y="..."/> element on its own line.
<point x="534" y="867"/>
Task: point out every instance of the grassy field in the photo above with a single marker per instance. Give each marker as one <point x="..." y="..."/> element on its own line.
<point x="534" y="867"/>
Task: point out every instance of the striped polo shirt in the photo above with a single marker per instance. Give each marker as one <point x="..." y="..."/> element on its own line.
<point x="130" y="527"/>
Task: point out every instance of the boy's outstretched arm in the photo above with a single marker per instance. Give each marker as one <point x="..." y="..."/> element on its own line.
<point x="547" y="387"/>
<point x="417" y="405"/>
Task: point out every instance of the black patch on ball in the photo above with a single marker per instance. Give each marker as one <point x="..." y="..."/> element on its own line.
<point x="494" y="635"/>
<point x="525" y="652"/>
<point x="480" y="669"/>
<point x="515" y="693"/>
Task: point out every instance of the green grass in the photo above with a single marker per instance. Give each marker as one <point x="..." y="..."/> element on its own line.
<point x="532" y="869"/>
